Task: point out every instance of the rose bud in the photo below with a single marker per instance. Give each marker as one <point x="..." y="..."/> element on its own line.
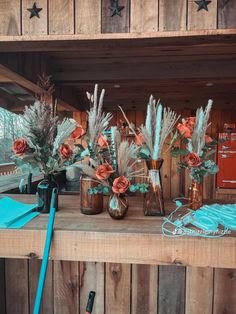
<point x="102" y="142"/>
<point x="65" y="151"/>
<point x="193" y="160"/>
<point x="78" y="132"/>
<point x="104" y="171"/>
<point x="19" y="146"/>
<point x="120" y="185"/>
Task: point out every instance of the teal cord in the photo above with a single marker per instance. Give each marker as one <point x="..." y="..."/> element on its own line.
<point x="44" y="265"/>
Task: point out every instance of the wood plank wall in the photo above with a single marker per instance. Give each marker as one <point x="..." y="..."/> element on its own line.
<point x="120" y="288"/>
<point x="63" y="17"/>
<point x="175" y="184"/>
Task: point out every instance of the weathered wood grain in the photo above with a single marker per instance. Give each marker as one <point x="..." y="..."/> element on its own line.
<point x="115" y="24"/>
<point x="226" y="14"/>
<point x="199" y="290"/>
<point x="144" y="16"/>
<point x="17" y="291"/>
<point x="61" y="17"/>
<point x="92" y="278"/>
<point x="2" y="286"/>
<point x="224" y="291"/>
<point x="171" y="290"/>
<point x="117" y="299"/>
<point x="137" y="239"/>
<point x="87" y="17"/>
<point x="202" y="19"/>
<point x="144" y="289"/>
<point x="172" y="15"/>
<point x="66" y="287"/>
<point x="47" y="300"/>
<point x="10" y="17"/>
<point x="35" y="25"/>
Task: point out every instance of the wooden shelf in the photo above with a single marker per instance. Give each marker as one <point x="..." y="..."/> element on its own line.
<point x="136" y="239"/>
<point x="75" y="41"/>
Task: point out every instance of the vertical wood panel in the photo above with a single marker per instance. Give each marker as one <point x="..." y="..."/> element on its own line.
<point x="115" y="24"/>
<point x="61" y="17"/>
<point x="2" y="286"/>
<point x="166" y="172"/>
<point x="144" y="16"/>
<point x="35" y="25"/>
<point x="226" y="14"/>
<point x="202" y="19"/>
<point x="172" y="15"/>
<point x="117" y="288"/>
<point x="10" y="17"/>
<point x="16" y="272"/>
<point x="92" y="278"/>
<point x="66" y="287"/>
<point x="171" y="289"/>
<point x="47" y="300"/>
<point x="87" y="17"/>
<point x="199" y="290"/>
<point x="224" y="291"/>
<point x="144" y="289"/>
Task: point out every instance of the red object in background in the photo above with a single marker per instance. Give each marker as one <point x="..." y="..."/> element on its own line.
<point x="226" y="159"/>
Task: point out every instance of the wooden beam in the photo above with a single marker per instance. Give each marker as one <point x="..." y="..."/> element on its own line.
<point x="137" y="240"/>
<point x="75" y="42"/>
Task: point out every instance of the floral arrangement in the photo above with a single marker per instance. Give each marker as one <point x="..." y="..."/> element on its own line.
<point x="43" y="145"/>
<point x="115" y="171"/>
<point x="158" y="126"/>
<point x="197" y="146"/>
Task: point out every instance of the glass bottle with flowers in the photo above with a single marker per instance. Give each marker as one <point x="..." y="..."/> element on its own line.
<point x="115" y="174"/>
<point x="197" y="147"/>
<point x="151" y="139"/>
<point x="43" y="147"/>
<point x="94" y="144"/>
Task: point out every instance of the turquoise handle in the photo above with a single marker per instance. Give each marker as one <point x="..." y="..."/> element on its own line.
<point x="44" y="265"/>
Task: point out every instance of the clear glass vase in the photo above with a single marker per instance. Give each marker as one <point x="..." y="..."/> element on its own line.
<point x="90" y="204"/>
<point x="117" y="206"/>
<point x="153" y="200"/>
<point x="195" y="195"/>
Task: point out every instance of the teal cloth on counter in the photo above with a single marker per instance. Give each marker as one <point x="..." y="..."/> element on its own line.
<point x="14" y="214"/>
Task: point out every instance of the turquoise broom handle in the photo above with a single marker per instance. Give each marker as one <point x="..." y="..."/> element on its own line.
<point x="44" y="265"/>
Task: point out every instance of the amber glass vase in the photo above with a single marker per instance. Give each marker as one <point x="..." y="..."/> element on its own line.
<point x="195" y="195"/>
<point x="117" y="206"/>
<point x="90" y="204"/>
<point x="153" y="199"/>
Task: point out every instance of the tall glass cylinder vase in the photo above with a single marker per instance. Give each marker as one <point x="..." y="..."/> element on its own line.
<point x="195" y="195"/>
<point x="153" y="199"/>
<point x="44" y="193"/>
<point x="90" y="204"/>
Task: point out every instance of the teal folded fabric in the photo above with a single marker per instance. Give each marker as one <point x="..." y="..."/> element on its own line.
<point x="14" y="214"/>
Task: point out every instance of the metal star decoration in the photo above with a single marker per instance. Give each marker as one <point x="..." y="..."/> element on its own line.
<point x="202" y="4"/>
<point x="34" y="11"/>
<point x="115" y="8"/>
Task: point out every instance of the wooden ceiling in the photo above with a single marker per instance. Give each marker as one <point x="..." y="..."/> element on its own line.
<point x="183" y="71"/>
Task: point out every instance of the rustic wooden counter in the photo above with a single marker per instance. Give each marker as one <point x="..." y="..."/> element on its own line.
<point x="136" y="239"/>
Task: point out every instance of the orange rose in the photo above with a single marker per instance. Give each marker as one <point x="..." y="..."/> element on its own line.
<point x="104" y="171"/>
<point x="120" y="185"/>
<point x="102" y="142"/>
<point x="184" y="130"/>
<point x="190" y="122"/>
<point x="193" y="160"/>
<point x="78" y="132"/>
<point x="139" y="139"/>
<point x="19" y="146"/>
<point x="208" y="139"/>
<point x="65" y="151"/>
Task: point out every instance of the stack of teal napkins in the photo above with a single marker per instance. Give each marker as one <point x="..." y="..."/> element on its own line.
<point x="14" y="214"/>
